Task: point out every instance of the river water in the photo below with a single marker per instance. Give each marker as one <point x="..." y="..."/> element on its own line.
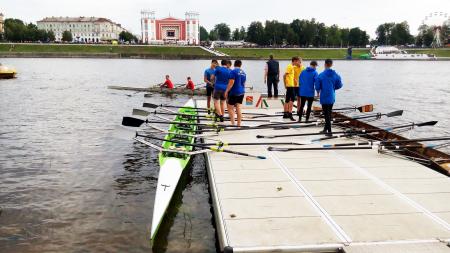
<point x="68" y="184"/>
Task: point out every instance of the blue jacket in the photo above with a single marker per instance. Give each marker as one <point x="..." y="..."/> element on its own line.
<point x="307" y="79"/>
<point x="327" y="82"/>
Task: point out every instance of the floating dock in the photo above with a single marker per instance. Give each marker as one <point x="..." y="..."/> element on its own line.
<point x="351" y="201"/>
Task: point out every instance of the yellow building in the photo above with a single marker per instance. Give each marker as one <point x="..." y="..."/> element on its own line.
<point x="2" y="29"/>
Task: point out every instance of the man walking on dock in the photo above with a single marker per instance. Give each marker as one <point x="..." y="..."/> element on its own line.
<point x="306" y="89"/>
<point x="209" y="83"/>
<point x="291" y="90"/>
<point x="326" y="84"/>
<point x="235" y="92"/>
<point x="272" y="76"/>
<point x="220" y="78"/>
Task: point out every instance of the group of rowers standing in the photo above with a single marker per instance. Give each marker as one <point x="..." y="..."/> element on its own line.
<point x="226" y="86"/>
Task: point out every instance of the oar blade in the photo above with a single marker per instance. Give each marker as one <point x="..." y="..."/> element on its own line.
<point x="150" y="105"/>
<point x="395" y="113"/>
<point x="365" y="108"/>
<point x="429" y="123"/>
<point x="140" y="112"/>
<point x="132" y="122"/>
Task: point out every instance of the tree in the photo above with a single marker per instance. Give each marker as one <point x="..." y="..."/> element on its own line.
<point x="213" y="35"/>
<point x="242" y="33"/>
<point x="400" y="34"/>
<point x="51" y="36"/>
<point x="127" y="36"/>
<point x="255" y="33"/>
<point x="357" y="37"/>
<point x="223" y="31"/>
<point x="236" y="36"/>
<point x="17" y="31"/>
<point x="383" y="33"/>
<point x="67" y="36"/>
<point x="345" y="37"/>
<point x="425" y="36"/>
<point x="333" y="36"/>
<point x="204" y="36"/>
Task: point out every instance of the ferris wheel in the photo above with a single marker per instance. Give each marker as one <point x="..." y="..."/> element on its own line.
<point x="436" y="21"/>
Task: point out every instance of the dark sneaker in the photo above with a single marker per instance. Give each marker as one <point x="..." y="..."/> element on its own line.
<point x="291" y="117"/>
<point x="221" y="119"/>
<point x="285" y="115"/>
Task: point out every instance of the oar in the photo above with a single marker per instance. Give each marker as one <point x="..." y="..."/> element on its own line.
<point x="362" y="108"/>
<point x="154" y="106"/>
<point x="387" y="142"/>
<point x="378" y="115"/>
<point x="349" y="132"/>
<point x="134" y="122"/>
<point x="204" y="147"/>
<point x="328" y="147"/>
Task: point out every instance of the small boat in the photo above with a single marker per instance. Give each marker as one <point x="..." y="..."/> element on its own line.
<point x="172" y="164"/>
<point x="7" y="72"/>
<point x="393" y="53"/>
<point x="157" y="89"/>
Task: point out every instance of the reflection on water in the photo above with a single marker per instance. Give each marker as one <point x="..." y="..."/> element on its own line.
<point x="68" y="185"/>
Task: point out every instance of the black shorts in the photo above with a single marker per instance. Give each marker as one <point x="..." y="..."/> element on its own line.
<point x="219" y="95"/>
<point x="209" y="90"/>
<point x="291" y="94"/>
<point x="233" y="100"/>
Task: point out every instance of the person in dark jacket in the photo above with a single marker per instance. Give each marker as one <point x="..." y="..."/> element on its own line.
<point x="306" y="90"/>
<point x="272" y="76"/>
<point x="326" y="84"/>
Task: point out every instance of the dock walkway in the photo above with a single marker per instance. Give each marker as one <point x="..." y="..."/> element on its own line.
<point x="325" y="201"/>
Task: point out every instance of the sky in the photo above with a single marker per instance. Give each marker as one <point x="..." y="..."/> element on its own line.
<point x="364" y="14"/>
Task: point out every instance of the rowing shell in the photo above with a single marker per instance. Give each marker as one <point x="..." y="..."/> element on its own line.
<point x="157" y="89"/>
<point x="172" y="165"/>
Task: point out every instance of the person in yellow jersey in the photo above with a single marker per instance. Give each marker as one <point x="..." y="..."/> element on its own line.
<point x="298" y="69"/>
<point x="291" y="90"/>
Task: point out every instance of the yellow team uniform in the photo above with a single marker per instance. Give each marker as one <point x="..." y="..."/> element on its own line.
<point x="297" y="72"/>
<point x="290" y="73"/>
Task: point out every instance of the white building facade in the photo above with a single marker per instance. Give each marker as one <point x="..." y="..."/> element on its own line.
<point x="2" y="26"/>
<point x="170" y="30"/>
<point x="83" y="29"/>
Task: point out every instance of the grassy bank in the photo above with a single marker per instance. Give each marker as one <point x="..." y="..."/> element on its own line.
<point x="441" y="52"/>
<point x="263" y="53"/>
<point x="105" y="49"/>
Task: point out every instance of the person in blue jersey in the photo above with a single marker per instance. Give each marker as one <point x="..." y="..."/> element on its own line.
<point x="235" y="92"/>
<point x="209" y="83"/>
<point x="220" y="77"/>
<point x="306" y="90"/>
<point x="326" y="85"/>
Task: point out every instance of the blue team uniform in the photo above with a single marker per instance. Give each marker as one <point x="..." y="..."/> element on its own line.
<point x="239" y="77"/>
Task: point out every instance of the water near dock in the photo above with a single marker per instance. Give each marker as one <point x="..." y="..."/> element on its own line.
<point x="66" y="184"/>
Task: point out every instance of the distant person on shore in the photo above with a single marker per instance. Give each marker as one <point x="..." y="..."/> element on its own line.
<point x="190" y="85"/>
<point x="209" y="82"/>
<point x="220" y="77"/>
<point x="306" y="90"/>
<point x="167" y="84"/>
<point x="235" y="92"/>
<point x="291" y="91"/>
<point x="272" y="76"/>
<point x="298" y="69"/>
<point x="326" y="85"/>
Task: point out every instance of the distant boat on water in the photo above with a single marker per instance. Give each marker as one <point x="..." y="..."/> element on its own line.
<point x="393" y="53"/>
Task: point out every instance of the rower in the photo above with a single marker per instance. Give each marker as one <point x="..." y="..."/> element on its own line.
<point x="306" y="89"/>
<point x="190" y="85"/>
<point x="326" y="84"/>
<point x="209" y="83"/>
<point x="235" y="92"/>
<point x="220" y="78"/>
<point x="291" y="91"/>
<point x="167" y="84"/>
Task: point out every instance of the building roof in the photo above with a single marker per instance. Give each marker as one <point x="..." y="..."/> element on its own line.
<point x="75" y="19"/>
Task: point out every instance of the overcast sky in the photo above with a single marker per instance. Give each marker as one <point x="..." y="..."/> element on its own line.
<point x="345" y="13"/>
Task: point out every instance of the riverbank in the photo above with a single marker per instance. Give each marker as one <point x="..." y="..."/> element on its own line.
<point x="182" y="52"/>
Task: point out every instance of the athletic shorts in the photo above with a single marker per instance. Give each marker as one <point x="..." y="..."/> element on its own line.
<point x="233" y="100"/>
<point x="209" y="91"/>
<point x="219" y="95"/>
<point x="291" y="94"/>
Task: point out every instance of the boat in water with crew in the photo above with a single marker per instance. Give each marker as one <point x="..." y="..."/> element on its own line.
<point x="394" y="53"/>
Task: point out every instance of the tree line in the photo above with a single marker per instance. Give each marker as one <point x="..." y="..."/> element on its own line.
<point x="306" y="33"/>
<point x="17" y="31"/>
<point x="299" y="33"/>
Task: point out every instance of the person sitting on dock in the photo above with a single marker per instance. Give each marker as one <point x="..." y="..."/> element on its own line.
<point x="326" y="85"/>
<point x="220" y="77"/>
<point x="209" y="83"/>
<point x="291" y="91"/>
<point x="190" y="85"/>
<point x="306" y="89"/>
<point x="167" y="84"/>
<point x="235" y="92"/>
